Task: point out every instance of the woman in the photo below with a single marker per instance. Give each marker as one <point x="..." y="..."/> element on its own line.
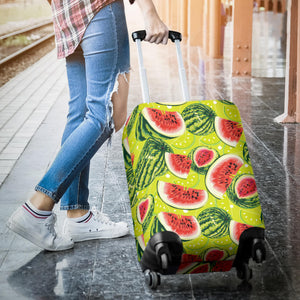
<point x="92" y="36"/>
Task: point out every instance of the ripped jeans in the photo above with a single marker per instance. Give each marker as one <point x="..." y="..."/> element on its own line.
<point x="92" y="71"/>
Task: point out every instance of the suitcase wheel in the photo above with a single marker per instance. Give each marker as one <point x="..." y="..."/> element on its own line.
<point x="152" y="279"/>
<point x="258" y="256"/>
<point x="244" y="272"/>
<point x="258" y="251"/>
<point x="164" y="261"/>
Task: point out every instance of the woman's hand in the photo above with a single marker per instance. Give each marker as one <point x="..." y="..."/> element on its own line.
<point x="156" y="30"/>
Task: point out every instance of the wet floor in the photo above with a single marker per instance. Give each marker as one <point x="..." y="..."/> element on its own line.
<point x="109" y="269"/>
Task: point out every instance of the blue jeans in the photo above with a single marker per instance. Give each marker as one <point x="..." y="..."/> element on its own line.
<point x="92" y="71"/>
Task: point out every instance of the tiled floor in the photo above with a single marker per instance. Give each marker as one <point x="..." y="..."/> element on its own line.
<point x="109" y="269"/>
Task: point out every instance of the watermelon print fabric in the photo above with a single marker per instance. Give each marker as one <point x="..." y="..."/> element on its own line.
<point x="188" y="170"/>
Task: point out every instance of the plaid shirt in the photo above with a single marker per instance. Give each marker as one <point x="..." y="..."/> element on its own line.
<point x="71" y="18"/>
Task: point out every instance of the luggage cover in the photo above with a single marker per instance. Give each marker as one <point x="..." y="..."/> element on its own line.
<point x="188" y="171"/>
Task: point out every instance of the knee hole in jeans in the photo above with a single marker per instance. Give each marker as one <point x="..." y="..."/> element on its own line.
<point x="119" y="98"/>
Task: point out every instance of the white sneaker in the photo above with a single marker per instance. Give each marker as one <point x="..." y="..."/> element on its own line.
<point x="40" y="232"/>
<point x="96" y="226"/>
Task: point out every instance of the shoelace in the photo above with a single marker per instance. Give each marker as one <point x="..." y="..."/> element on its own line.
<point x="101" y="217"/>
<point x="49" y="223"/>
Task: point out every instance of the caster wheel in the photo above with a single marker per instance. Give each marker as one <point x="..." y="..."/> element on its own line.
<point x="244" y="272"/>
<point x="258" y="256"/>
<point x="152" y="279"/>
<point x="258" y="251"/>
<point x="164" y="261"/>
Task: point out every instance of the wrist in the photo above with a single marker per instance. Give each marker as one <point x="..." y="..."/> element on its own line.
<point x="147" y="7"/>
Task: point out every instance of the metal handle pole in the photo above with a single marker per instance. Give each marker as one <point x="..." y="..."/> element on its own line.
<point x="182" y="74"/>
<point x="143" y="73"/>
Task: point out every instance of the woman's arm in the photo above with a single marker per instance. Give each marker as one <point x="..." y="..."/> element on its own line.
<point x="156" y="30"/>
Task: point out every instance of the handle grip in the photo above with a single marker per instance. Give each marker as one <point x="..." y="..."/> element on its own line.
<point x="175" y="37"/>
<point x="141" y="34"/>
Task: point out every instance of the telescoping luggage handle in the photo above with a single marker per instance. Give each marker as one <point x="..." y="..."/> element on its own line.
<point x="175" y="37"/>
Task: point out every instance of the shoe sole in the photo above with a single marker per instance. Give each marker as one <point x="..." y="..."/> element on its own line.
<point x="97" y="236"/>
<point x="15" y="227"/>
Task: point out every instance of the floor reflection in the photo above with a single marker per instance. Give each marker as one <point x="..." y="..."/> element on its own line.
<point x="42" y="277"/>
<point x="86" y="273"/>
<point x="52" y="275"/>
<point x="268" y="44"/>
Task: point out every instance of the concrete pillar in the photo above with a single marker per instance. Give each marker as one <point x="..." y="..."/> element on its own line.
<point x="214" y="29"/>
<point x="242" y="37"/>
<point x="206" y="25"/>
<point x="173" y="14"/>
<point x="292" y="81"/>
<point x="195" y="22"/>
<point x="297" y="112"/>
<point x="166" y="11"/>
<point x="183" y="10"/>
<point x="266" y="5"/>
<point x="275" y="6"/>
<point x="179" y="14"/>
<point x="283" y="5"/>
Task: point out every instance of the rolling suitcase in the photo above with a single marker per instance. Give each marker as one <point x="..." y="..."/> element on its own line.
<point x="192" y="191"/>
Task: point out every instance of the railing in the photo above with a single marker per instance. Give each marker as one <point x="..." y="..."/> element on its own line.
<point x="26" y="32"/>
